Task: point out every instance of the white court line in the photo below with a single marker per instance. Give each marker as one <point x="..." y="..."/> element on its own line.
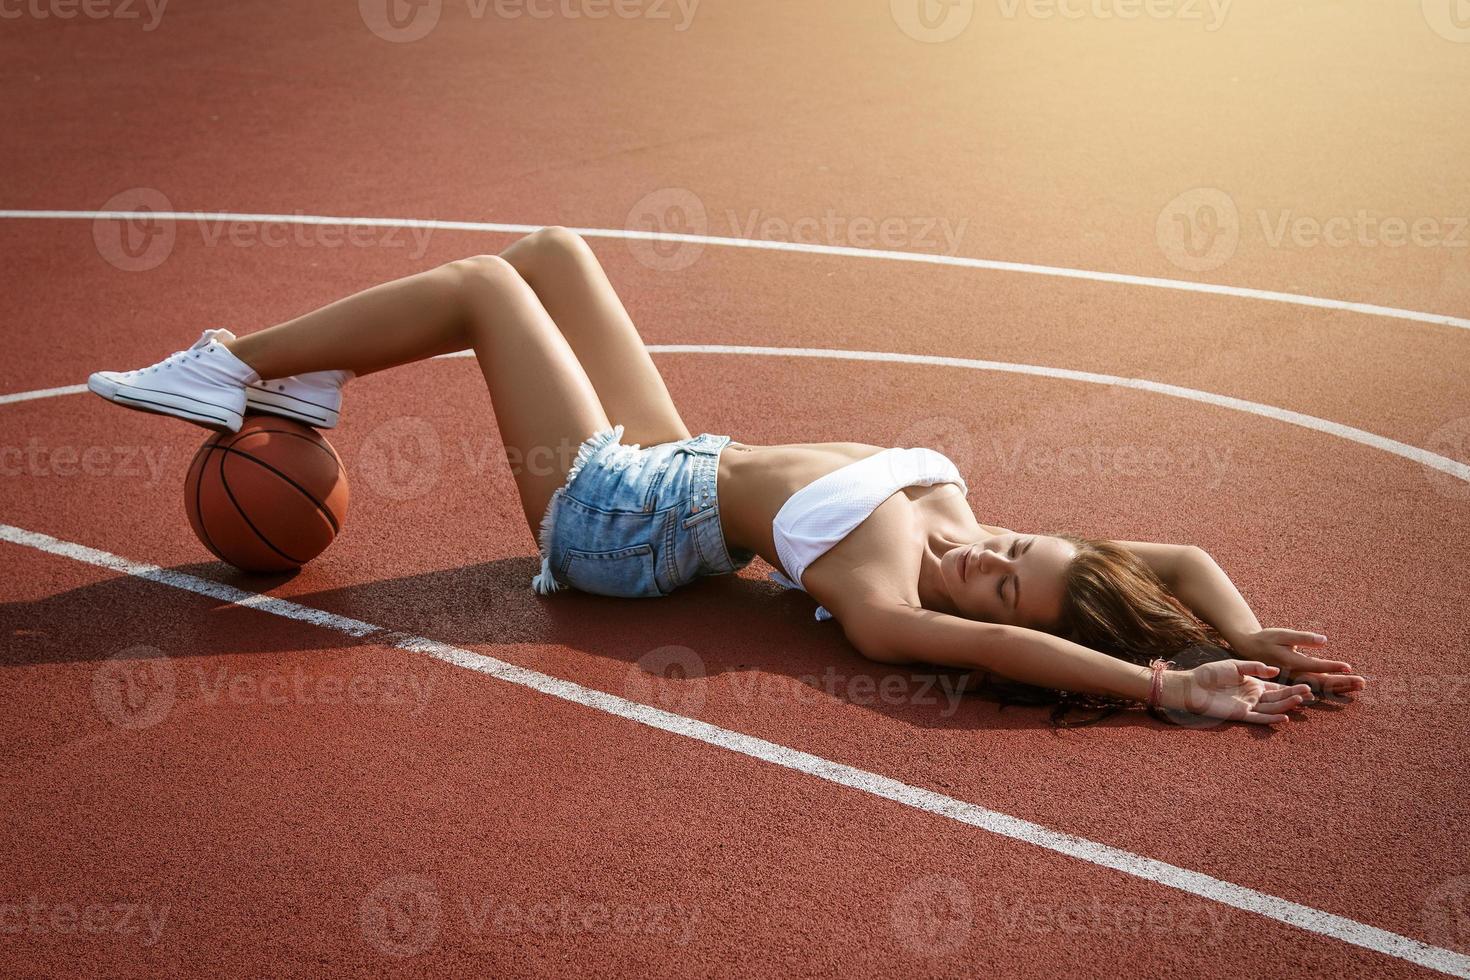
<point x="1193" y="882"/>
<point x="28" y="396"/>
<point x="1421" y="456"/>
<point x="1404" y="450"/>
<point x="925" y="258"/>
<point x="1413" y="453"/>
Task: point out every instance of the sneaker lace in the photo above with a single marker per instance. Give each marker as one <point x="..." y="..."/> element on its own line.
<point x="177" y="357"/>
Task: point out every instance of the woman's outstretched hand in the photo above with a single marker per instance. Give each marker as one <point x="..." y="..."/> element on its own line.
<point x="1278" y="647"/>
<point x="1234" y="691"/>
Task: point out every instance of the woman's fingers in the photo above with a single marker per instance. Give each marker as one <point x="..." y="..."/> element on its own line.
<point x="1289" y="703"/>
<point x="1305" y="661"/>
<point x="1298" y="638"/>
<point x="1266" y="718"/>
<point x="1336" y="683"/>
<point x="1254" y="668"/>
<point x="1299" y="694"/>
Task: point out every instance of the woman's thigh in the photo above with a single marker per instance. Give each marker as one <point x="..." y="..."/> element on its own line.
<point x="545" y="405"/>
<point x="572" y="286"/>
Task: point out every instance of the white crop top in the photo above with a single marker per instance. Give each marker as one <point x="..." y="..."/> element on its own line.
<point x="825" y="511"/>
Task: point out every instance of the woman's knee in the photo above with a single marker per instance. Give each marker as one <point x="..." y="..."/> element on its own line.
<point x="481" y="268"/>
<point x="478" y="274"/>
<point x="544" y="245"/>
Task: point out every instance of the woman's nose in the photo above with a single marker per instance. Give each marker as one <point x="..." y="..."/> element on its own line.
<point x="993" y="561"/>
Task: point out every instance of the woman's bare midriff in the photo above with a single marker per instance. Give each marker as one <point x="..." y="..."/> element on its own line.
<point x="756" y="481"/>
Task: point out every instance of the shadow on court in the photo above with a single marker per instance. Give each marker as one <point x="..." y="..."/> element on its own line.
<point x="721" y="638"/>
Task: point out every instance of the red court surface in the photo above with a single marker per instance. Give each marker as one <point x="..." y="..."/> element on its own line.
<point x="413" y="765"/>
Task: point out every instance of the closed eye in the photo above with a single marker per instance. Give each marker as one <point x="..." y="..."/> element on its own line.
<point x="1017" y="551"/>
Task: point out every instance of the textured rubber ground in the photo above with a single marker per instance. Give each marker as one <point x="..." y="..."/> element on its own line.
<point x="306" y="801"/>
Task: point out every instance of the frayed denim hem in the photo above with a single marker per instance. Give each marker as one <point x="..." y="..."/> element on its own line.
<point x="545" y="582"/>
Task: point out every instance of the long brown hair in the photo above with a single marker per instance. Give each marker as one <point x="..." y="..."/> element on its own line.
<point x="1115" y="604"/>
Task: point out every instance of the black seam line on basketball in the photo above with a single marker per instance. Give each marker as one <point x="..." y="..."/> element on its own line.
<point x="326" y="512"/>
<point x="173" y="394"/>
<point x="241" y="510"/>
<point x="172" y="409"/>
<point x="296" y="435"/>
<point x="281" y="394"/>
<point x="198" y="490"/>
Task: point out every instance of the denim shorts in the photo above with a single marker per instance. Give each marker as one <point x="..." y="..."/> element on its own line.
<point x="636" y="523"/>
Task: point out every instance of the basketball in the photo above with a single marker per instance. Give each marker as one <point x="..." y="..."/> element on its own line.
<point x="268" y="498"/>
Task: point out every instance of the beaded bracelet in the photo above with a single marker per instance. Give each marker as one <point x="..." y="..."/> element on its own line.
<point x="1156" y="688"/>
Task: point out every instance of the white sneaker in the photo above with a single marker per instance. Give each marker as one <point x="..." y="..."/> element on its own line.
<point x="204" y="384"/>
<point x="315" y="398"/>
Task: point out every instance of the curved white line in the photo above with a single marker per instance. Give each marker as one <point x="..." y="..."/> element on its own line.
<point x="1282" y="910"/>
<point x="1423" y="457"/>
<point x="27" y="396"/>
<point x="925" y="258"/>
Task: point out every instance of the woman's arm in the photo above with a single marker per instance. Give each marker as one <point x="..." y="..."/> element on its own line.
<point x="1202" y="585"/>
<point x="891" y="631"/>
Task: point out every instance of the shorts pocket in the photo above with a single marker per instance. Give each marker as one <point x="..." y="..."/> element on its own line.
<point x="627" y="573"/>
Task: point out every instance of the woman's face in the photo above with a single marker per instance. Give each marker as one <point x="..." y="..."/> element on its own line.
<point x="1009" y="578"/>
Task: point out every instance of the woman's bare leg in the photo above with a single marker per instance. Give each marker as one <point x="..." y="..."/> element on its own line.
<point x="421" y="316"/>
<point x="405" y="320"/>
<point x="567" y="277"/>
<point x="545" y="405"/>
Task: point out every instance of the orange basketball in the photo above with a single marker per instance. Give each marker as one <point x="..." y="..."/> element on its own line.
<point x="268" y="498"/>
